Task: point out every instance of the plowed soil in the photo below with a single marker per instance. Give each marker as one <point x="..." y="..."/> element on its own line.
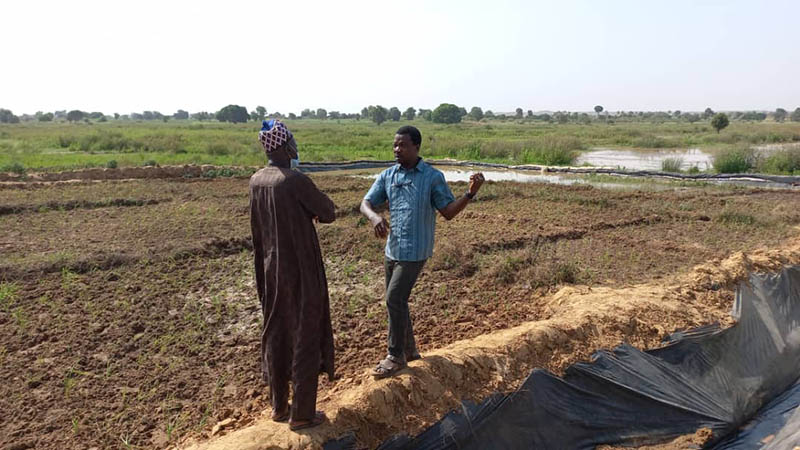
<point x="128" y="316"/>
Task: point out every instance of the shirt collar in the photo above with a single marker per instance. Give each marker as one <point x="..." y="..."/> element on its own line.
<point x="420" y="167"/>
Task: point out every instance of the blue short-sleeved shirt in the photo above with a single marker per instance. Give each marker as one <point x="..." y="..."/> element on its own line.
<point x="414" y="196"/>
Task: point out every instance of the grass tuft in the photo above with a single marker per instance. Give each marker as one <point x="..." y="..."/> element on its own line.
<point x="672" y="164"/>
<point x="735" y="160"/>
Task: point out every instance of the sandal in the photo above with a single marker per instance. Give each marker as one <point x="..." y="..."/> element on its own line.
<point x="319" y="419"/>
<point x="283" y="417"/>
<point x="280" y="418"/>
<point x="388" y="367"/>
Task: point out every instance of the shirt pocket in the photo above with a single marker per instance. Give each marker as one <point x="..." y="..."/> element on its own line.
<point x="402" y="194"/>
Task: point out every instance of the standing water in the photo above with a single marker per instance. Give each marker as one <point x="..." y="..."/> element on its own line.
<point x="644" y="159"/>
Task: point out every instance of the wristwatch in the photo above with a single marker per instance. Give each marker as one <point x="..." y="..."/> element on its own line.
<point x="469" y="195"/>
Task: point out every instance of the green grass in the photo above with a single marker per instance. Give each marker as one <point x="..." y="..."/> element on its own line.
<point x="671" y="164"/>
<point x="735" y="160"/>
<point x="58" y="146"/>
<point x="782" y="162"/>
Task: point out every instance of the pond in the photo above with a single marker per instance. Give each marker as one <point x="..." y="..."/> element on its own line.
<point x="645" y="159"/>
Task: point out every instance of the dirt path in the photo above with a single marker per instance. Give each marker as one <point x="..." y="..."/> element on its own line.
<point x="583" y="320"/>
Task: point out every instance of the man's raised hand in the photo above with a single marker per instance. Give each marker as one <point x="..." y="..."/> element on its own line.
<point x="475" y="182"/>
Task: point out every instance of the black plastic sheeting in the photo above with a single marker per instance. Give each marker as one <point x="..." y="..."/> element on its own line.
<point x="738" y="382"/>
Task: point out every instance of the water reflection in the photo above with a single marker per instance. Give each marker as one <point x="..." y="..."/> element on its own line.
<point x="645" y="159"/>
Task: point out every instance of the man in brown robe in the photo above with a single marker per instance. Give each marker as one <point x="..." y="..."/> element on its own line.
<point x="296" y="338"/>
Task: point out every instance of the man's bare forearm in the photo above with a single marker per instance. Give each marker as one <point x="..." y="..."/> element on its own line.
<point x="453" y="208"/>
<point x="366" y="209"/>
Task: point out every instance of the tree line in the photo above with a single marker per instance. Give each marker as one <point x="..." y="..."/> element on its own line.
<point x="444" y="113"/>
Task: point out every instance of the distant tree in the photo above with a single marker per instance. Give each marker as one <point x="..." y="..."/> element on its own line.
<point x="751" y="115"/>
<point x="46" y="117"/>
<point x="292" y="116"/>
<point x="708" y="113"/>
<point x="75" y="115"/>
<point x="116" y="116"/>
<point x="203" y="115"/>
<point x="719" y="121"/>
<point x="529" y="114"/>
<point x="676" y="114"/>
<point x="276" y="115"/>
<point x="104" y="119"/>
<point x="377" y="114"/>
<point x="426" y="114"/>
<point x="148" y="115"/>
<point x="6" y="116"/>
<point x="95" y="115"/>
<point x="462" y="111"/>
<point x="261" y="113"/>
<point x="181" y="115"/>
<point x="598" y="109"/>
<point x="691" y="117"/>
<point x="233" y="114"/>
<point x="321" y="114"/>
<point x="137" y="116"/>
<point x="476" y="113"/>
<point x="365" y="112"/>
<point x="306" y="114"/>
<point x="334" y="115"/>
<point x="518" y="113"/>
<point x="158" y="116"/>
<point x="394" y="114"/>
<point x="446" y="113"/>
<point x="561" y="117"/>
<point x="582" y="118"/>
<point x="780" y="115"/>
<point x="795" y="117"/>
<point x="410" y="113"/>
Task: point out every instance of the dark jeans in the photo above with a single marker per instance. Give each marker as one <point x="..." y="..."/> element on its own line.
<point x="400" y="278"/>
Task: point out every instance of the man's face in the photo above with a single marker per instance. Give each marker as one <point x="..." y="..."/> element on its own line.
<point x="405" y="152"/>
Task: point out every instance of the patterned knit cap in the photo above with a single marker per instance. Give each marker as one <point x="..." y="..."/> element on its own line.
<point x="273" y="134"/>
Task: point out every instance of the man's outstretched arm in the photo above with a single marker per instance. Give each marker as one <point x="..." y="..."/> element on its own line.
<point x="456" y="206"/>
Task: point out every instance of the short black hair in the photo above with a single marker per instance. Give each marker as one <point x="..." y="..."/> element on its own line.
<point x="412" y="132"/>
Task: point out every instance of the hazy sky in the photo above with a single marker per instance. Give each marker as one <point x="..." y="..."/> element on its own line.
<point x="114" y="56"/>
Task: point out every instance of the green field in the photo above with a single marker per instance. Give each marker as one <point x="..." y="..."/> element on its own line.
<point x="58" y="146"/>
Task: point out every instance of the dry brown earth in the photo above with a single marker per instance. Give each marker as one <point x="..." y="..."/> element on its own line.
<point x="128" y="317"/>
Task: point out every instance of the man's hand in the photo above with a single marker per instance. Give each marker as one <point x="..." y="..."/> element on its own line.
<point x="475" y="182"/>
<point x="380" y="225"/>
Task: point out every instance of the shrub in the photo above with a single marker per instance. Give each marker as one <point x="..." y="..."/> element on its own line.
<point x="150" y="163"/>
<point x="734" y="160"/>
<point x="672" y="164"/>
<point x="112" y="164"/>
<point x="16" y="167"/>
<point x="66" y="141"/>
<point x="783" y="161"/>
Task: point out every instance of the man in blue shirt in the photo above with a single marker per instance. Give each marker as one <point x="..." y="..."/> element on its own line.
<point x="415" y="191"/>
